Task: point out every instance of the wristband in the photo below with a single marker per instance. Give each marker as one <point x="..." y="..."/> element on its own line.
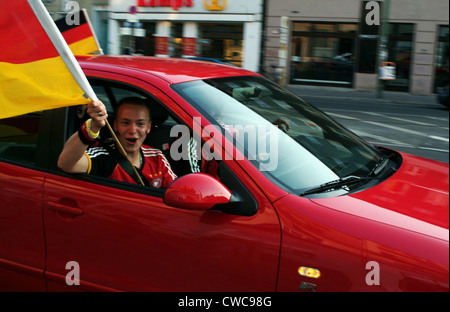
<point x="91" y="134"/>
<point x="86" y="135"/>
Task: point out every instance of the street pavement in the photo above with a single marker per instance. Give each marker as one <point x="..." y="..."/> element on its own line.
<point x="354" y="95"/>
<point x="414" y="124"/>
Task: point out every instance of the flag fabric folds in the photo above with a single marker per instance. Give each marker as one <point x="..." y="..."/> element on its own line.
<point x="33" y="76"/>
<point x="78" y="33"/>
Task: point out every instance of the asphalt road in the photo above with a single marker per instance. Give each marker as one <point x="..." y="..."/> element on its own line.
<point x="416" y="125"/>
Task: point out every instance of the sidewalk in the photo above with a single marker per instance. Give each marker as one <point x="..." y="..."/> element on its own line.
<point x="308" y="91"/>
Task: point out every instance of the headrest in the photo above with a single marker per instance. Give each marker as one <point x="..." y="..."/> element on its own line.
<point x="158" y="114"/>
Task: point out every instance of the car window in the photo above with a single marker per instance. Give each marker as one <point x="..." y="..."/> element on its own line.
<point x="19" y="138"/>
<point x="110" y="93"/>
<point x="102" y="96"/>
<point x="183" y="152"/>
<point x="288" y="140"/>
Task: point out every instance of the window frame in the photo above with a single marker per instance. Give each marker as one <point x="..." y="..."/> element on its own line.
<point x="63" y="115"/>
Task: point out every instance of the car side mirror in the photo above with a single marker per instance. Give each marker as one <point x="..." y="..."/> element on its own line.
<point x="196" y="191"/>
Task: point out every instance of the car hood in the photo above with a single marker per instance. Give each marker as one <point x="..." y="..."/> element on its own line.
<point x="415" y="198"/>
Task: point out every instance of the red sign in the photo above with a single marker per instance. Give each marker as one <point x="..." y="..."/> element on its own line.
<point x="174" y="4"/>
<point x="162" y="46"/>
<point x="132" y="9"/>
<point x="189" y="46"/>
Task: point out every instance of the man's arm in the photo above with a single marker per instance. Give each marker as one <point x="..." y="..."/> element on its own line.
<point x="72" y="158"/>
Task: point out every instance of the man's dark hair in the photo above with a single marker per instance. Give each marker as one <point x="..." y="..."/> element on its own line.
<point x="134" y="100"/>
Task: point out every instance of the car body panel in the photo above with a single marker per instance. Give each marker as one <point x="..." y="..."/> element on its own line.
<point x="22" y="251"/>
<point x="142" y="244"/>
<point x="399" y="201"/>
<point x="341" y="245"/>
<point x="170" y="69"/>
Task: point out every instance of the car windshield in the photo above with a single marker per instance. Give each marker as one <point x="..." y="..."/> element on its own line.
<point x="291" y="142"/>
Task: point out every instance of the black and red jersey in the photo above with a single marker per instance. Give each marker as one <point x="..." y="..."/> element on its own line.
<point x="155" y="170"/>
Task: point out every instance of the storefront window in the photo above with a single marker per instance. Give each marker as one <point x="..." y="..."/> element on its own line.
<point x="399" y="51"/>
<point x="176" y="40"/>
<point x="146" y="45"/>
<point x="222" y="42"/>
<point x="441" y="66"/>
<point x="127" y="43"/>
<point x="315" y="27"/>
<point x="323" y="53"/>
<point x="137" y="38"/>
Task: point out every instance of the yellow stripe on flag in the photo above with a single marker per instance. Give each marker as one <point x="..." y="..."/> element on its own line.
<point x="81" y="47"/>
<point x="51" y="83"/>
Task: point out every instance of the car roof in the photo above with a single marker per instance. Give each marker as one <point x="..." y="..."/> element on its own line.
<point x="173" y="70"/>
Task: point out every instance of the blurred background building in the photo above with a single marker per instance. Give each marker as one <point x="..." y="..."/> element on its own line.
<point x="320" y="42"/>
<point x="220" y="30"/>
<point x="327" y="43"/>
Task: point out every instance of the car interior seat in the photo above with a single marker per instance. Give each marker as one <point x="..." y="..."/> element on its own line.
<point x="159" y="137"/>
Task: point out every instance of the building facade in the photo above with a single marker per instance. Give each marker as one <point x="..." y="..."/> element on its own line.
<point x="321" y="42"/>
<point x="229" y="30"/>
<point x="224" y="30"/>
<point x="325" y="42"/>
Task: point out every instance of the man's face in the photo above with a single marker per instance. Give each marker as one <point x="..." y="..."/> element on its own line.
<point x="132" y="126"/>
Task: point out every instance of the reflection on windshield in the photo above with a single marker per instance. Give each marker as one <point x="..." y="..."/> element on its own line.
<point x="291" y="142"/>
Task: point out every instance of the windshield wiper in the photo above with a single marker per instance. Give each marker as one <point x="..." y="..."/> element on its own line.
<point x="379" y="166"/>
<point x="336" y="184"/>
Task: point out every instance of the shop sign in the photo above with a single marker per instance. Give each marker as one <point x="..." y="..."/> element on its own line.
<point x="189" y="46"/>
<point x="174" y="4"/>
<point x="215" y="5"/>
<point x="162" y="45"/>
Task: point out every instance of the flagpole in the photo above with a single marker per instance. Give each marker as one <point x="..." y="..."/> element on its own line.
<point x="69" y="59"/>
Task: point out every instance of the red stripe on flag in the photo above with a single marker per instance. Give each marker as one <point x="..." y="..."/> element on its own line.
<point x="78" y="33"/>
<point x="23" y="38"/>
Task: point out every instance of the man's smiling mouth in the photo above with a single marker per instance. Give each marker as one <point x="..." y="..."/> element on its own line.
<point x="131" y="140"/>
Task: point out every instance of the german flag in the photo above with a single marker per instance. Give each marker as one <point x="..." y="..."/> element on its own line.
<point x="33" y="76"/>
<point x="78" y="33"/>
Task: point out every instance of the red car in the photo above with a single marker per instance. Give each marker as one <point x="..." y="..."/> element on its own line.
<point x="290" y="201"/>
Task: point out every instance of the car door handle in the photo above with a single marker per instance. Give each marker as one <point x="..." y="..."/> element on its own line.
<point x="75" y="211"/>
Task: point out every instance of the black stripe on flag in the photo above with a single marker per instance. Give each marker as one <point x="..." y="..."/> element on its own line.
<point x="72" y="18"/>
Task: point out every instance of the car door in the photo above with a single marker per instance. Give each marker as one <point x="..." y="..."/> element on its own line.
<point x="108" y="235"/>
<point x="22" y="173"/>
